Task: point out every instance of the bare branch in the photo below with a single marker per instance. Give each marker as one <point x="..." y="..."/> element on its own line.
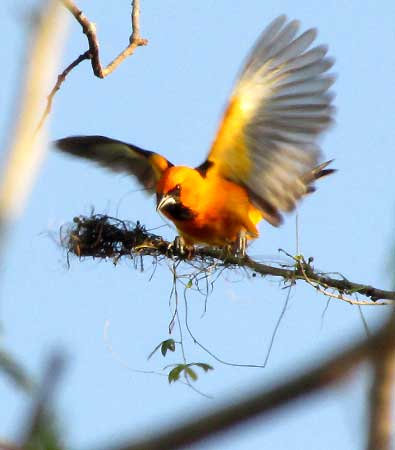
<point x="264" y="401"/>
<point x="101" y="236"/>
<point x="135" y="40"/>
<point x="89" y="29"/>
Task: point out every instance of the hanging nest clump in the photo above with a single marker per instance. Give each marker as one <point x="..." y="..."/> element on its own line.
<point x="102" y="236"/>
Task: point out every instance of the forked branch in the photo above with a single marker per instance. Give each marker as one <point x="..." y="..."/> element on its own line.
<point x="93" y="54"/>
<point x="89" y="29"/>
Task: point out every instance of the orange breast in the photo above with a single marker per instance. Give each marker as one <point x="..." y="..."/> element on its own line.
<point x="222" y="210"/>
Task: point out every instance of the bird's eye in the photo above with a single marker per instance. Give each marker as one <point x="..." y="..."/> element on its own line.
<point x="175" y="192"/>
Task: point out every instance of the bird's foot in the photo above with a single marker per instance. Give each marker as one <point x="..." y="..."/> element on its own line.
<point x="236" y="249"/>
<point x="181" y="249"/>
<point x="240" y="246"/>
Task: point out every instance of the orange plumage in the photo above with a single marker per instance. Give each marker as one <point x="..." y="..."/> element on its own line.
<point x="215" y="210"/>
<point x="265" y="156"/>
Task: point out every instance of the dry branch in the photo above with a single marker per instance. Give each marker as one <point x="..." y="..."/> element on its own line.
<point x="93" y="54"/>
<point x="101" y="236"/>
<point x="89" y="29"/>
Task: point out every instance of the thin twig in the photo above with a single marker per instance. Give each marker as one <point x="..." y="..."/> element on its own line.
<point x="338" y="296"/>
<point x="61" y="78"/>
<point x="264" y="401"/>
<point x="209" y="352"/>
<point x="277" y="326"/>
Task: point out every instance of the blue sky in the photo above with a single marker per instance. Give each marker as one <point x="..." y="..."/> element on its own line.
<point x="169" y="97"/>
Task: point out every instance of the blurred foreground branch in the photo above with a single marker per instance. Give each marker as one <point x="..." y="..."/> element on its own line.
<point x="26" y="148"/>
<point x="40" y="431"/>
<point x="101" y="236"/>
<point x="379" y="347"/>
<point x="382" y="401"/>
<point x="15" y="372"/>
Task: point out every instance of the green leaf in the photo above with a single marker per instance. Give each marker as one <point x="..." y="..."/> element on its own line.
<point x="164" y="346"/>
<point x="174" y="374"/>
<point x="168" y="345"/>
<point x="190" y="373"/>
<point x="204" y="366"/>
<point x="189" y="284"/>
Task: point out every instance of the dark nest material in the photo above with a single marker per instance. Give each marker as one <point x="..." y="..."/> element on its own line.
<point x="102" y="236"/>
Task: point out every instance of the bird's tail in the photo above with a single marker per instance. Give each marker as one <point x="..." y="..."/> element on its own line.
<point x="317" y="173"/>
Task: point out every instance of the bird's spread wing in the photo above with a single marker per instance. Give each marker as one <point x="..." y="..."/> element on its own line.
<point x="118" y="156"/>
<point x="267" y="140"/>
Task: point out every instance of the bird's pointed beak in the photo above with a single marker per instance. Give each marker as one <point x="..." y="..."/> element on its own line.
<point x="162" y="201"/>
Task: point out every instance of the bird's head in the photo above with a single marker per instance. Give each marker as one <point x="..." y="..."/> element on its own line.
<point x="177" y="191"/>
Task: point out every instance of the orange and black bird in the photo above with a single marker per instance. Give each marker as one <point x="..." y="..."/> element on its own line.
<point x="265" y="156"/>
